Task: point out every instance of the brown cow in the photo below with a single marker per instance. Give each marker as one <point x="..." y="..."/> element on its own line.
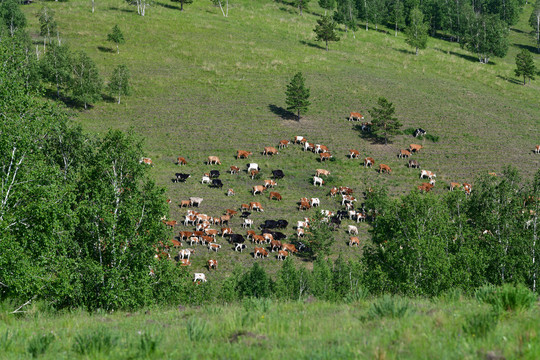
<point x="185" y="203"/>
<point x="275" y="195"/>
<point x="425" y="187"/>
<point x="225" y="231"/>
<point x="243" y="154"/>
<point x="185" y="262"/>
<point x="213" y="160"/>
<point x="384" y="168"/>
<point x="333" y="191"/>
<point x="212" y="264"/>
<point x="354" y="154"/>
<point x="253" y="173"/>
<point x="369" y="162"/>
<point x="537" y="149"/>
<point x="454" y="185"/>
<point x="404" y="154"/>
<point x="289" y="247"/>
<point x="176" y="243"/>
<point x="325" y="156"/>
<point x="467" y="188"/>
<point x="414" y="164"/>
<point x="225" y="219"/>
<point x="353" y="240"/>
<point x="181" y="161"/>
<point x="275" y="244"/>
<point x="185" y="234"/>
<point x="269" y="150"/>
<point x="282" y="254"/>
<point x="258" y="239"/>
<point x="284" y="143"/>
<point x="304" y="205"/>
<point x="299" y="139"/>
<point x="415" y="148"/>
<point x="356" y="116"/>
<point x="169" y="223"/>
<point x="214" y="246"/>
<point x="231" y="212"/>
<point x="255" y="206"/>
<point x="260" y="251"/>
<point x="206" y="239"/>
<point x="320" y="172"/>
<point x="211" y="232"/>
<point x="146" y="161"/>
<point x="230" y="192"/>
<point x="258" y="189"/>
<point x="234" y="169"/>
<point x="250" y="234"/>
<point x="244" y="207"/>
<point x="269" y="183"/>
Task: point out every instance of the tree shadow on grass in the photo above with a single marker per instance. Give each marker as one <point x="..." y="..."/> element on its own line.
<point x="467" y="57"/>
<point x="115" y="8"/>
<point x="281" y="112"/>
<point x="68" y="101"/>
<point x="530" y="48"/>
<point x="105" y="49"/>
<point x="405" y="51"/>
<point x="168" y="6"/>
<point x="108" y="98"/>
<point x="509" y="79"/>
<point x="317" y="46"/>
<point x="518" y="31"/>
<point x="369" y="136"/>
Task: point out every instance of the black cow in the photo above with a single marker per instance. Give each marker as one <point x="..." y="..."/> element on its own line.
<point x="275" y="234"/>
<point x="278" y="174"/>
<point x="341" y="214"/>
<point x="282" y="224"/>
<point x="217" y="183"/>
<point x="269" y="224"/>
<point x="214" y="174"/>
<point x="419" y="132"/>
<point x="181" y="177"/>
<point x="245" y="214"/>
<point x="236" y="238"/>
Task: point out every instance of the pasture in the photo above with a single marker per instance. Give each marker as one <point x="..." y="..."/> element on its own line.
<point x="209" y="85"/>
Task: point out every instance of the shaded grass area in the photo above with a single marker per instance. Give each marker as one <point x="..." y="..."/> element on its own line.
<point x="449" y="327"/>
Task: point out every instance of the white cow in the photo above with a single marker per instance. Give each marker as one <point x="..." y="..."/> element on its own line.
<point x="352" y="230"/>
<point x="199" y="276"/>
<point x="185" y="253"/>
<point x="315" y="202"/>
<point x="247" y="222"/>
<point x="427" y="174"/>
<point x="206" y="180"/>
<point x="253" y="166"/>
<point x="318" y="180"/>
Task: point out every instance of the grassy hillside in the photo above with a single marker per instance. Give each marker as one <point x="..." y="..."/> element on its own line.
<point x="209" y="85"/>
<point x="446" y="328"/>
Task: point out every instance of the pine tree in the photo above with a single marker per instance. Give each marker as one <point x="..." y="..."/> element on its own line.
<point x="525" y="66"/>
<point x="297" y="95"/>
<point x="326" y="30"/>
<point x="87" y="84"/>
<point x="417" y="31"/>
<point x="384" y="124"/>
<point x="116" y="37"/>
<point x="119" y="83"/>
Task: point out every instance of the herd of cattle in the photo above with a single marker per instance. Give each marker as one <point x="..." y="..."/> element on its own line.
<point x="203" y="233"/>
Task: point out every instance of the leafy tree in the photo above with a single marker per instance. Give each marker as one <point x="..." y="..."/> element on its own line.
<point x="534" y="21"/>
<point x="327" y="5"/>
<point x="116" y="36"/>
<point x="384" y="124"/>
<point x="182" y="3"/>
<point x="346" y="14"/>
<point x="396" y="15"/>
<point x="47" y="23"/>
<point x="487" y="36"/>
<point x="87" y="84"/>
<point x="319" y="238"/>
<point x="301" y="4"/>
<point x="119" y="83"/>
<point x="297" y="95"/>
<point x="287" y="284"/>
<point x="416" y="32"/>
<point x="376" y="11"/>
<point x="12" y="16"/>
<point x="326" y="30"/>
<point x="218" y="3"/>
<point x="525" y="65"/>
<point x="255" y="283"/>
<point x="56" y="66"/>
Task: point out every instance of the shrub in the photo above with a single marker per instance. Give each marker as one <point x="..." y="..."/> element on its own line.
<point x="39" y="344"/>
<point x="94" y="342"/>
<point x="255" y="283"/>
<point x="409" y="131"/>
<point x="197" y="330"/>
<point x="433" y="138"/>
<point x="480" y="324"/>
<point x="507" y="297"/>
<point x="390" y="306"/>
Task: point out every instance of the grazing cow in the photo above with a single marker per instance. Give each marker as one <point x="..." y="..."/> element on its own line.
<point x="245" y="214"/>
<point x="211" y="232"/>
<point x="258" y="239"/>
<point x="181" y="161"/>
<point x="415" y="148"/>
<point x="269" y="150"/>
<point x="206" y="240"/>
<point x="176" y="243"/>
<point x="467" y="188"/>
<point x="537" y="149"/>
<point x="269" y="224"/>
<point x="190" y="219"/>
<point x="181" y="177"/>
<point x="185" y="253"/>
<point x="299" y="139"/>
<point x="212" y="264"/>
<point x="404" y="154"/>
<point x="419" y="132"/>
<point x="303" y="224"/>
<point x="247" y="222"/>
<point x="269" y="183"/>
<point x="199" y="276"/>
<point x="185" y="235"/>
<point x="268" y="237"/>
<point x="255" y="206"/>
<point x="253" y="173"/>
<point x="213" y="160"/>
<point x="304" y="205"/>
<point x="146" y="161"/>
<point x="354" y="154"/>
<point x="169" y="223"/>
<point x="225" y="231"/>
<point x="425" y="187"/>
<point x="454" y="185"/>
<point x="353" y="240"/>
<point x="282" y="254"/>
<point x="320" y="172"/>
<point x="384" y="168"/>
<point x="260" y="251"/>
<point x="345" y="190"/>
<point x="369" y="162"/>
<point x="277" y="174"/>
<point x="356" y="117"/>
<point x="427" y="174"/>
<point x="317" y="180"/>
<point x="185" y="203"/>
<point x="214" y="246"/>
<point x="320" y="149"/>
<point x="300" y="232"/>
<point x="185" y="262"/>
<point x="275" y="195"/>
<point x="240" y="247"/>
<point x="333" y="191"/>
<point x="234" y="169"/>
<point x="289" y="247"/>
<point x="351" y="229"/>
<point x="258" y="189"/>
<point x="231" y="212"/>
<point x="275" y="244"/>
<point x="327" y="213"/>
<point x="217" y="183"/>
<point x="315" y="202"/>
<point x="244" y="207"/>
<point x="243" y="154"/>
<point x="236" y="238"/>
<point x="214" y="174"/>
<point x="253" y="166"/>
<point x="225" y="219"/>
<point x="250" y="234"/>
<point x="284" y="143"/>
<point x="230" y="192"/>
<point x="325" y="156"/>
<point x="347" y="199"/>
<point x="308" y="146"/>
<point x="206" y="179"/>
<point x="414" y="164"/>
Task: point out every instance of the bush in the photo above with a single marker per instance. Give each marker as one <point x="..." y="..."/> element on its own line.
<point x="507" y="297"/>
<point x="94" y="342"/>
<point x="390" y="306"/>
<point x="39" y="344"/>
<point x="433" y="138"/>
<point x="479" y="325"/>
<point x="255" y="283"/>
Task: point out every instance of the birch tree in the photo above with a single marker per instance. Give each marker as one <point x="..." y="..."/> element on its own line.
<point x="534" y="21"/>
<point x="119" y="84"/>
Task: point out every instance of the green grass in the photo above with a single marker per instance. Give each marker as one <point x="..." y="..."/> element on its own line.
<point x="437" y="329"/>
<point x="209" y="85"/>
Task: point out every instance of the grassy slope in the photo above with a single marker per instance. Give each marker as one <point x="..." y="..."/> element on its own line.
<point x="433" y="330"/>
<point x="209" y="85"/>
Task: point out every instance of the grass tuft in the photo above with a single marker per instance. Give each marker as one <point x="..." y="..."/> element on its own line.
<point x="479" y="325"/>
<point x="197" y="330"/>
<point x="390" y="306"/>
<point x="94" y="342"/>
<point x="39" y="344"/>
<point x="507" y="297"/>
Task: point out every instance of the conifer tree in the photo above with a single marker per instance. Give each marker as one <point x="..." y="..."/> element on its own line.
<point x="326" y="30"/>
<point x="525" y="66"/>
<point x="384" y="124"/>
<point x="297" y="95"/>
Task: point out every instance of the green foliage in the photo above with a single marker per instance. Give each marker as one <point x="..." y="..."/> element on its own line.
<point x="197" y="330"/>
<point x="321" y="279"/>
<point x="384" y="124"/>
<point x="297" y="95"/>
<point x="327" y="4"/>
<point x="319" y="238"/>
<point x="116" y="36"/>
<point x="6" y="340"/>
<point x="486" y="36"/>
<point x="480" y="324"/>
<point x="301" y="4"/>
<point x="251" y="304"/>
<point x="56" y="66"/>
<point x="119" y="83"/>
<point x="432" y="138"/>
<point x="534" y="22"/>
<point x="39" y="344"/>
<point x="417" y="31"/>
<point x="86" y="82"/>
<point x="12" y="17"/>
<point x="287" y="283"/>
<point x="507" y="298"/>
<point x="98" y="341"/>
<point x="390" y="307"/>
<point x="255" y="283"/>
<point x="346" y="14"/>
<point x="326" y="30"/>
<point x="525" y="65"/>
<point x="148" y="345"/>
<point x="47" y="23"/>
<point x="396" y="14"/>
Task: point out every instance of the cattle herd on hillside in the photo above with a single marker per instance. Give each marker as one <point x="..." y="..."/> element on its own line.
<point x="203" y="234"/>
